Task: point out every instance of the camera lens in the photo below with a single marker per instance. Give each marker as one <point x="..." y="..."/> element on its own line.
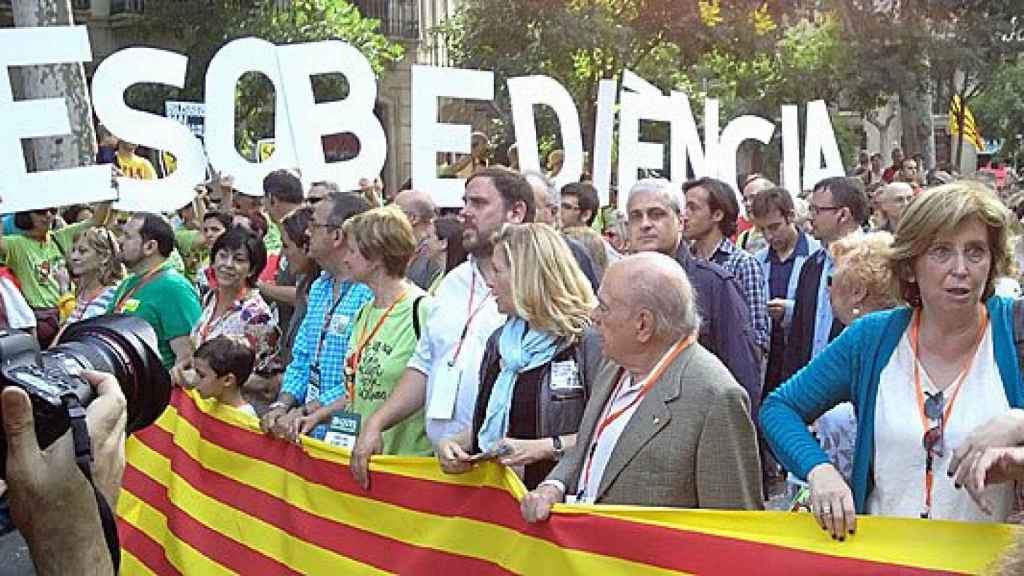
<point x="125" y="346"/>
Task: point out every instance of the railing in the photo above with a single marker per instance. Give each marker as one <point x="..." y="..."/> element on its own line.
<point x="127" y="7"/>
<point x="398" y="18"/>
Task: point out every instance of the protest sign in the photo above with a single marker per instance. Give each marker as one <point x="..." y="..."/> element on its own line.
<point x="191" y="114"/>
<point x="301" y="124"/>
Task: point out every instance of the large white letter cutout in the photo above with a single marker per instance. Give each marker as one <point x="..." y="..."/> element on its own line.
<point x="740" y="129"/>
<point x="353" y="114"/>
<point x="525" y="92"/>
<point x="821" y="141"/>
<point x="113" y="76"/>
<point x="604" y="125"/>
<point x="227" y="66"/>
<point x="19" y="189"/>
<point x="429" y="136"/>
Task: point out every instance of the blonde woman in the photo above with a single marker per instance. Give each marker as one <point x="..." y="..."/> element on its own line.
<point x="379" y="244"/>
<point x="922" y="377"/>
<point x="536" y="372"/>
<point x="95" y="266"/>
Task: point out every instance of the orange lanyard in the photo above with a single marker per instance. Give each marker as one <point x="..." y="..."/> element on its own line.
<point x="915" y="330"/>
<point x="645" y="387"/>
<point x="142" y="282"/>
<point x="470" y="314"/>
<point x="357" y="356"/>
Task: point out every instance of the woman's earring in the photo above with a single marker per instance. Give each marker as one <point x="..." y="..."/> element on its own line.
<point x="855" y="312"/>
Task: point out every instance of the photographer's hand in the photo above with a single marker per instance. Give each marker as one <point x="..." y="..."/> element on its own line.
<point x="51" y="501"/>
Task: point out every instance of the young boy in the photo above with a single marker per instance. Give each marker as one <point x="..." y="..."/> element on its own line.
<point x="222" y="365"/>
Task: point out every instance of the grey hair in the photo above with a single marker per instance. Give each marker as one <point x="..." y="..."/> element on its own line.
<point x="896" y="187"/>
<point x="661" y="187"/>
<point x="666" y="293"/>
<point x="552" y="196"/>
<point x="328" y="185"/>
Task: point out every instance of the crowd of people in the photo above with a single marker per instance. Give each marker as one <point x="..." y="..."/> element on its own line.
<point x="862" y="338"/>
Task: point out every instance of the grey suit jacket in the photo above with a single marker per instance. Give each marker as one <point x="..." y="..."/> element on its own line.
<point x="689" y="444"/>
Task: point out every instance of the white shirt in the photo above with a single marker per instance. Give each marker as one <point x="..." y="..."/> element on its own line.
<point x="452" y="390"/>
<point x="601" y="452"/>
<point x="899" y="459"/>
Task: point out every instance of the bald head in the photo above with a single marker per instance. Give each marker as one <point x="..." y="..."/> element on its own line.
<point x="419" y="207"/>
<point x="657" y="283"/>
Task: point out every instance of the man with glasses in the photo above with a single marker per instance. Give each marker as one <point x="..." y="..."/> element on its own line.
<point x="838" y="207"/>
<point x="314" y="377"/>
<point x="579" y="204"/>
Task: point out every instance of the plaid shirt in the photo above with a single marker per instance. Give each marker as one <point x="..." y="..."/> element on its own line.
<point x="750" y="277"/>
<point x="335" y="343"/>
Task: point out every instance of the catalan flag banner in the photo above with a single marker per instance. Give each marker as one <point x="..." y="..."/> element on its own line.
<point x="971" y="133"/>
<point x="206" y="493"/>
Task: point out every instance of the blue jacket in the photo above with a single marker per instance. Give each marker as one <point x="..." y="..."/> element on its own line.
<point x="849" y="369"/>
<point x="794" y="277"/>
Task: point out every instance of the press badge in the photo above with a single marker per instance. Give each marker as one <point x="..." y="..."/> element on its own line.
<point x="313" y="388"/>
<point x="565" y="376"/>
<point x="445" y="392"/>
<point x="339" y="323"/>
<point x="130" y="305"/>
<point x="344" y="429"/>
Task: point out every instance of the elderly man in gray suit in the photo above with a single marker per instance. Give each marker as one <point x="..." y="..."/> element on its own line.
<point x="667" y="424"/>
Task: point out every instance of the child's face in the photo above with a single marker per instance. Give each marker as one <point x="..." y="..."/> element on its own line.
<point x="208" y="384"/>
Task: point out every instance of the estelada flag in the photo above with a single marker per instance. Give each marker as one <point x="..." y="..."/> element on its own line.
<point x="971" y="133"/>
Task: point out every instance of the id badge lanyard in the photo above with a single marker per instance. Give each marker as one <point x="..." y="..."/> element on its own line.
<point x="328" y="317"/>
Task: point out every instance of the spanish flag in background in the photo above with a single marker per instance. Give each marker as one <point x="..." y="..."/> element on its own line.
<point x="971" y="133"/>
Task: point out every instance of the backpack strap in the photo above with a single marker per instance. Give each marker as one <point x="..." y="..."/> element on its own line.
<point x="416" y="316"/>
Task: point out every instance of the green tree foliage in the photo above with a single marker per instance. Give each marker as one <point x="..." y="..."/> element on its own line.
<point x="200" y="27"/>
<point x="1000" y="108"/>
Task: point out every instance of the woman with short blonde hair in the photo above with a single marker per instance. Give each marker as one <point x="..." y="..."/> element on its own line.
<point x="926" y="379"/>
<point x="379" y="244"/>
<point x="862" y="278"/>
<point x="537" y="369"/>
<point x="949" y="207"/>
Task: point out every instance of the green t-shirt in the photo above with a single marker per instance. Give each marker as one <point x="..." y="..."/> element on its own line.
<point x="38" y="264"/>
<point x="192" y="256"/>
<point x="383" y="361"/>
<point x="272" y="239"/>
<point x="168" y="302"/>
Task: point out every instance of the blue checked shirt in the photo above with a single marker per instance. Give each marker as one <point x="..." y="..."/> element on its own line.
<point x="335" y="344"/>
<point x="750" y="277"/>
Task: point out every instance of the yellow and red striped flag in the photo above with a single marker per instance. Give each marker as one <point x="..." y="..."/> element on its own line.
<point x="206" y="493"/>
<point x="971" y="133"/>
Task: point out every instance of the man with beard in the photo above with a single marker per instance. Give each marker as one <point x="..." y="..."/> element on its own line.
<point x="155" y="291"/>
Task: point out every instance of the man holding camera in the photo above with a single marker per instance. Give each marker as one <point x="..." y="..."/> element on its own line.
<point x="51" y="501"/>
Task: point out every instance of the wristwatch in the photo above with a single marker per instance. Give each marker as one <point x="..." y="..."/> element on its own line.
<point x="558" y="452"/>
<point x="276" y="405"/>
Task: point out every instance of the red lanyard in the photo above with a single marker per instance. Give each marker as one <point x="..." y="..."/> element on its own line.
<point x="646" y="386"/>
<point x="471" y="313"/>
<point x="357" y="356"/>
<point x="915" y="330"/>
<point x="142" y="282"/>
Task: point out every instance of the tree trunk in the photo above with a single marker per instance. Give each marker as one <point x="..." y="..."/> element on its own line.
<point x="65" y="81"/>
<point x="918" y="126"/>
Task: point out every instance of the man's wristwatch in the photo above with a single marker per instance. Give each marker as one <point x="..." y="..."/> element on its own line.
<point x="557" y="452"/>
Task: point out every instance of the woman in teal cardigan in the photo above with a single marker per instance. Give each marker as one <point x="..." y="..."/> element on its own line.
<point x="921" y="378"/>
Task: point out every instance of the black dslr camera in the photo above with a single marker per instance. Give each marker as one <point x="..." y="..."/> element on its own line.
<point x="124" y="346"/>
